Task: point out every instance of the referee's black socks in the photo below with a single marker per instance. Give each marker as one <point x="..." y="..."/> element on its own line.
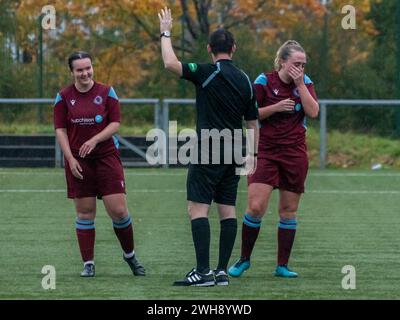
<point x="201" y="240"/>
<point x="226" y="241"/>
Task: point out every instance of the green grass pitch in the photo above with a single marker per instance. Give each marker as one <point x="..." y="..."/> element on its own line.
<point x="345" y="218"/>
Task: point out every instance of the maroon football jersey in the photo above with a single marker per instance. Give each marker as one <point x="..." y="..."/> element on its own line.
<point x="282" y="128"/>
<point x="86" y="114"/>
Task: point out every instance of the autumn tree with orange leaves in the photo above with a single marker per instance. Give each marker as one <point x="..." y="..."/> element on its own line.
<point x="123" y="37"/>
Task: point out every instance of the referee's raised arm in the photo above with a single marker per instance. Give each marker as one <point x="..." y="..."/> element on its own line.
<point x="170" y="60"/>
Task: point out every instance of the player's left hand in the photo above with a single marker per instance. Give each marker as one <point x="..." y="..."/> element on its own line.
<point x="87" y="148"/>
<point x="297" y="75"/>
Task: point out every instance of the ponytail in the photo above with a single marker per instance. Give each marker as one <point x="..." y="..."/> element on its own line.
<point x="285" y="51"/>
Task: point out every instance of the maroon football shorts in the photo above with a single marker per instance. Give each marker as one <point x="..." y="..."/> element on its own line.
<point x="283" y="167"/>
<point x="101" y="177"/>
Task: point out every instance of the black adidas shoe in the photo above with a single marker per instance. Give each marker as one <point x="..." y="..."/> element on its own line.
<point x="88" y="270"/>
<point x="221" y="277"/>
<point x="197" y="279"/>
<point x="136" y="266"/>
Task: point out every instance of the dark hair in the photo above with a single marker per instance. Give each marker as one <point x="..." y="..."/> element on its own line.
<point x="221" y="41"/>
<point x="76" y="56"/>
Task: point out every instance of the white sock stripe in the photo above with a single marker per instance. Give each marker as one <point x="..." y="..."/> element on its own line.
<point x="129" y="255"/>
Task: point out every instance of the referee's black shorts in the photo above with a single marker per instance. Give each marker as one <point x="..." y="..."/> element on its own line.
<point x="208" y="182"/>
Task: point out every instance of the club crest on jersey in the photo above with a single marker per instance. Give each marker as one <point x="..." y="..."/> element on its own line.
<point x="276" y="91"/>
<point x="73" y="102"/>
<point x="296" y="92"/>
<point x="98" y="100"/>
<point x="98" y="118"/>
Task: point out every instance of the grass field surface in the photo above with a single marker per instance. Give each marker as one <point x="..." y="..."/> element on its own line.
<point x="345" y="218"/>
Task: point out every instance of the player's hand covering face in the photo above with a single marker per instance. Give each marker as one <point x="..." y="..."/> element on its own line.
<point x="296" y="74"/>
<point x="294" y="67"/>
<point x="165" y="20"/>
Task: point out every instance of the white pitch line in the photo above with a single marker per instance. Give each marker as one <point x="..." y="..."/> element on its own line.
<point x="31" y="191"/>
<point x="382" y="192"/>
<point x="31" y="173"/>
<point x="355" y="191"/>
<point x="146" y="174"/>
<point x="354" y="174"/>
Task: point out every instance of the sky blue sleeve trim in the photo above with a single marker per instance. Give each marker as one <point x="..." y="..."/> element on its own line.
<point x="261" y="79"/>
<point x="58" y="98"/>
<point x="305" y="123"/>
<point x="116" y="142"/>
<point x="307" y="80"/>
<point x="112" y="94"/>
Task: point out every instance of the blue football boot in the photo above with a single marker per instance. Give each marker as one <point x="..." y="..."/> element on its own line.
<point x="285" y="272"/>
<point x="239" y="267"/>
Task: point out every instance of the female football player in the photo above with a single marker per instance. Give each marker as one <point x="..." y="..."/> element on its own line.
<point x="86" y="115"/>
<point x="285" y="98"/>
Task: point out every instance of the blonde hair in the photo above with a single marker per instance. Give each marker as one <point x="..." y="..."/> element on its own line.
<point x="285" y="51"/>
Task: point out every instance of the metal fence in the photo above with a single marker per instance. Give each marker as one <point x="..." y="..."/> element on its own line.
<point x="323" y="115"/>
<point x="58" y="153"/>
<point x="161" y="118"/>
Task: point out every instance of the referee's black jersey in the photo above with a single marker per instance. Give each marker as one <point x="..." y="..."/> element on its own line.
<point x="224" y="95"/>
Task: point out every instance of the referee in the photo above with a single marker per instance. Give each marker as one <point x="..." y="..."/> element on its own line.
<point x="224" y="96"/>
